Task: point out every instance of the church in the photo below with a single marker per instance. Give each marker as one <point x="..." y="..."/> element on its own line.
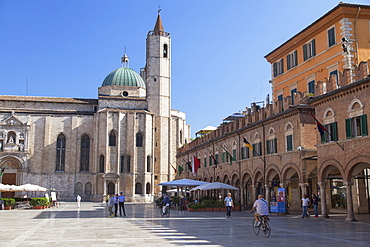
<point x="125" y="140"/>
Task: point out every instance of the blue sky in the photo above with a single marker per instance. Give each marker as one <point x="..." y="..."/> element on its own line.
<point x="65" y="48"/>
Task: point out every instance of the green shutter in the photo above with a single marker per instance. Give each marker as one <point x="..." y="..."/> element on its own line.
<point x="288" y="62"/>
<point x="268" y="146"/>
<point x="275" y="145"/>
<point x="324" y="136"/>
<point x="363" y="125"/>
<point x="348" y="128"/>
<point x="313" y="48"/>
<point x="296" y="58"/>
<point x="223" y="157"/>
<point x="304" y="52"/>
<point x="205" y="161"/>
<point x="234" y="154"/>
<point x="242" y="152"/>
<point x="335" y="131"/>
<point x="289" y="140"/>
<point x="217" y="158"/>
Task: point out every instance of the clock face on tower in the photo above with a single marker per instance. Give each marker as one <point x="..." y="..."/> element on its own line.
<point x="124" y="94"/>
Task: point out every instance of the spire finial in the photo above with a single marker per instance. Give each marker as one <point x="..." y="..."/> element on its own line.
<point x="159" y="9"/>
<point x="125" y="59"/>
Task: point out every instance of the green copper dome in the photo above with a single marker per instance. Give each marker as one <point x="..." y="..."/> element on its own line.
<point x="124" y="77"/>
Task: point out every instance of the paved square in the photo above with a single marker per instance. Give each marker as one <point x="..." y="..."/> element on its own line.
<point x="143" y="226"/>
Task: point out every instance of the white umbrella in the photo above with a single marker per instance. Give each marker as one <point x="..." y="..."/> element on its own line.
<point x="8" y="188"/>
<point x="215" y="186"/>
<point x="31" y="187"/>
<point x="183" y="182"/>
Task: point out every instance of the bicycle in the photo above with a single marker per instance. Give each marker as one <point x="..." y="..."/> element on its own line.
<point x="166" y="211"/>
<point x="265" y="226"/>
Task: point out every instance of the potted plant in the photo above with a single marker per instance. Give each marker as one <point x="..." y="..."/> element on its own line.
<point x="8" y="203"/>
<point x="39" y="203"/>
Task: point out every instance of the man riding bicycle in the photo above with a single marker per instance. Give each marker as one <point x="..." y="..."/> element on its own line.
<point x="261" y="208"/>
<point x="165" y="203"/>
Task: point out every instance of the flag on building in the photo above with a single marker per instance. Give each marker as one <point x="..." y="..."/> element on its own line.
<point x="320" y="127"/>
<point x="213" y="157"/>
<point x="231" y="157"/>
<point x="247" y="143"/>
<point x="195" y="164"/>
<point x="180" y="169"/>
<point x="174" y="169"/>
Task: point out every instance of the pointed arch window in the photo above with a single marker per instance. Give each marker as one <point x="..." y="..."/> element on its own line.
<point x="147" y="188"/>
<point x="139" y="140"/>
<point x="101" y="164"/>
<point x="60" y="153"/>
<point x="85" y="153"/>
<point x="112" y="139"/>
<point x="138" y="188"/>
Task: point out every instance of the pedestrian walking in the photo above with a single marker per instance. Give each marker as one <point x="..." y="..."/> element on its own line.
<point x="78" y="198"/>
<point x="305" y="204"/>
<point x="110" y="205"/>
<point x="228" y="204"/>
<point x="182" y="204"/>
<point x="121" y="201"/>
<point x="115" y="203"/>
<point x="315" y="203"/>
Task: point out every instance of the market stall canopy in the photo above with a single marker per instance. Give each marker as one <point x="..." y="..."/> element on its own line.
<point x="215" y="186"/>
<point x="25" y="187"/>
<point x="8" y="188"/>
<point x="183" y="182"/>
<point x="32" y="187"/>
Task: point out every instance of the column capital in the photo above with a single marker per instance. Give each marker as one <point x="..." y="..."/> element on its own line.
<point x="348" y="183"/>
<point x="303" y="185"/>
<point x="321" y="184"/>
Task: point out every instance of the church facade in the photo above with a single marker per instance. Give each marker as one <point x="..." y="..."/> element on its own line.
<point x="125" y="140"/>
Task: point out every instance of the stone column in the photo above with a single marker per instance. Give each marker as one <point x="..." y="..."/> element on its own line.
<point x="267" y="193"/>
<point x="242" y="196"/>
<point x="254" y="196"/>
<point x="350" y="213"/>
<point x="304" y="187"/>
<point x="324" y="210"/>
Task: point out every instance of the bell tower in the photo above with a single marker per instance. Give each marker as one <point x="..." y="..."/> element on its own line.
<point x="157" y="74"/>
<point x="158" y="70"/>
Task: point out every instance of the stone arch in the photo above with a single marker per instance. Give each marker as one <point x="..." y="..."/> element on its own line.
<point x="147" y="188"/>
<point x="291" y="180"/>
<point x="355" y="103"/>
<point x="329" y="112"/>
<point x="78" y="188"/>
<point x="138" y="188"/>
<point x="289" y="126"/>
<point x="289" y="170"/>
<point x="11" y="162"/>
<point x="271" y="172"/>
<point x="88" y="188"/>
<point x="358" y="174"/>
<point x="327" y="167"/>
<point x="112" y="138"/>
<point x="351" y="165"/>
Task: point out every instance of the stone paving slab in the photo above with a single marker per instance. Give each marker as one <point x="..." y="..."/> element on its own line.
<point x="143" y="226"/>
